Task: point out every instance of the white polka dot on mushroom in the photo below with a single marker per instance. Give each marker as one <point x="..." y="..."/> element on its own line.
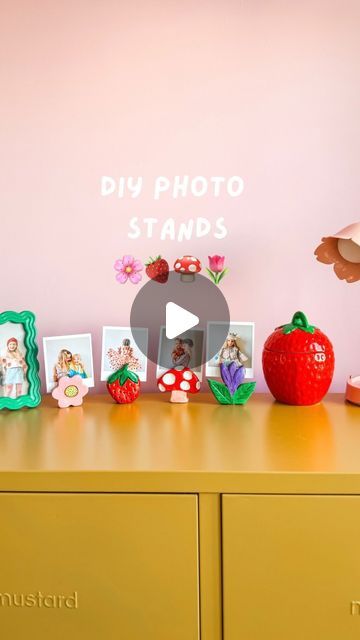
<point x="187" y="375"/>
<point x="182" y="269"/>
<point x="192" y="267"/>
<point x="178" y="265"/>
<point x="184" y="385"/>
<point x="168" y="378"/>
<point x="198" y="385"/>
<point x="161" y="387"/>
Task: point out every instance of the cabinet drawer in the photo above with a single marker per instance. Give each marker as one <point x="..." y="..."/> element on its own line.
<point x="98" y="566"/>
<point x="291" y="567"/>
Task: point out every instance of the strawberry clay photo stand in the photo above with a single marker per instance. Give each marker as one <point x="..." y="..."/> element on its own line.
<point x="234" y="390"/>
<point x="123" y="385"/>
<point x="298" y="362"/>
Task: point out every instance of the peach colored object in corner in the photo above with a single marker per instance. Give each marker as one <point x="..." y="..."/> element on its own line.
<point x="343" y="251"/>
<point x="353" y="390"/>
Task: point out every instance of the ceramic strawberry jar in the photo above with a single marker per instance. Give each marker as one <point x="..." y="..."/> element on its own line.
<point x="298" y="362"/>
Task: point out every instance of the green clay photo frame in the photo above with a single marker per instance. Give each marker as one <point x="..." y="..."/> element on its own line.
<point x="19" y="366"/>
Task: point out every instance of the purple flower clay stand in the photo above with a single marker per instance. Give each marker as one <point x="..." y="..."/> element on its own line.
<point x="234" y="390"/>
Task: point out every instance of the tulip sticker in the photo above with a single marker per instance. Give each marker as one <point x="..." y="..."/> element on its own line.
<point x="216" y="268"/>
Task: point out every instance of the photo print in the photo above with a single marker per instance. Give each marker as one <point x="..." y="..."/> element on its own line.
<point x="68" y="356"/>
<point x="13" y="367"/>
<point x="238" y="347"/>
<point x="119" y="347"/>
<point x="181" y="352"/>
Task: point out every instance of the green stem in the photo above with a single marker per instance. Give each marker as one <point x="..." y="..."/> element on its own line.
<point x="299" y="321"/>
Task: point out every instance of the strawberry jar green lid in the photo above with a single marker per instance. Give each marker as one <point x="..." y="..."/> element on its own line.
<point x="298" y="362"/>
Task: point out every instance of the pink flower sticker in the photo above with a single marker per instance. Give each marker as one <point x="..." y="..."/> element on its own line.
<point x="128" y="268"/>
<point x="70" y="391"/>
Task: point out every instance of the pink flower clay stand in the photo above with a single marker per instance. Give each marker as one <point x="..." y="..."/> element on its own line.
<point x="70" y="392"/>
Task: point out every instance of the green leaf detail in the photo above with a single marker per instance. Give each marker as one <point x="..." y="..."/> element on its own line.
<point x="243" y="392"/>
<point x="222" y="274"/>
<point x="122" y="375"/>
<point x="220" y="391"/>
<point x="152" y="260"/>
<point x="299" y="321"/>
<point x="212" y="275"/>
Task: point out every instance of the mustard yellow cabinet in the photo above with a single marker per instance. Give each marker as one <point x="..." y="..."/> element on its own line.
<point x="113" y="519"/>
<point x="98" y="567"/>
<point x="291" y="567"/>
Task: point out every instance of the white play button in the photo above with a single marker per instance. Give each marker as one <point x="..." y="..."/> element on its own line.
<point x="178" y="320"/>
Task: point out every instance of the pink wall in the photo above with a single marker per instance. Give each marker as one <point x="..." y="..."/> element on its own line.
<point x="269" y="90"/>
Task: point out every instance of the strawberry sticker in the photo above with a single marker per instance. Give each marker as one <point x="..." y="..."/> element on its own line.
<point x="157" y="269"/>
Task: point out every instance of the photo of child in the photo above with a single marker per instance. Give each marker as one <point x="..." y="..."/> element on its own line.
<point x="119" y="348"/>
<point x="178" y="350"/>
<point x="77" y="367"/>
<point x="180" y="353"/>
<point x="68" y="356"/>
<point x="13" y="367"/>
<point x="238" y="347"/>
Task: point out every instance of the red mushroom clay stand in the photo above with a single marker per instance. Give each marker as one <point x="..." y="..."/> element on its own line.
<point x="179" y="383"/>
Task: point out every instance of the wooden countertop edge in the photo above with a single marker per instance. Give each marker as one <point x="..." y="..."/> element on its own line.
<point x="247" y="482"/>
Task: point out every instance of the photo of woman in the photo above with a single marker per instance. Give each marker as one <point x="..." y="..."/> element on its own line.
<point x="124" y="345"/>
<point x="68" y="356"/>
<point x="62" y="366"/>
<point x="123" y="355"/>
<point x="231" y="352"/>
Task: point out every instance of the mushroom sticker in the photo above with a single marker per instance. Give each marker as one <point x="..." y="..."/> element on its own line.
<point x="187" y="266"/>
<point x="179" y="383"/>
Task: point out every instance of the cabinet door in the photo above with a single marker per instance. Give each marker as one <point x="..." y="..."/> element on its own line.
<point x="98" y="567"/>
<point x="291" y="567"/>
